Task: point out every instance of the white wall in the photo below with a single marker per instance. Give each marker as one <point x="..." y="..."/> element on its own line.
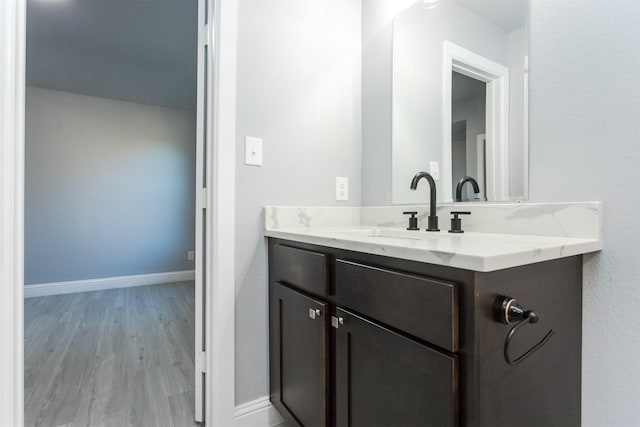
<point x="298" y="89"/>
<point x="110" y="188"/>
<point x="585" y="145"/>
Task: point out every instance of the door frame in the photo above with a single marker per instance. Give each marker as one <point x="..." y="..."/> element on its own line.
<point x="481" y="164"/>
<point x="221" y="160"/>
<point x="219" y="322"/>
<point x="12" y="57"/>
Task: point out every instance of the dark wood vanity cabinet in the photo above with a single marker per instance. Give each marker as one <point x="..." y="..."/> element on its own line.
<point x="364" y="340"/>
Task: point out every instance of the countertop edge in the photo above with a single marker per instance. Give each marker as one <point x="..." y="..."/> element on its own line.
<point x="463" y="261"/>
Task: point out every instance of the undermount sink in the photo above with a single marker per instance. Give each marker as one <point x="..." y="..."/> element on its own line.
<point x="396" y="234"/>
<point x="391" y="233"/>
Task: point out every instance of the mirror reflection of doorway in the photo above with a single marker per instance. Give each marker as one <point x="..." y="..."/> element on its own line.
<point x="458" y="150"/>
<point x="468" y="114"/>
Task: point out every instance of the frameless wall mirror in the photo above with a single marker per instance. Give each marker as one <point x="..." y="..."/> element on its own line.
<point x="460" y="96"/>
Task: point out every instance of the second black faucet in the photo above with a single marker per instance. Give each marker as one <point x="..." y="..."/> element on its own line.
<point x="462" y="182"/>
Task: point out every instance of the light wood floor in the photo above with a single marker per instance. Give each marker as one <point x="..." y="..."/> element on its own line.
<point x="121" y="357"/>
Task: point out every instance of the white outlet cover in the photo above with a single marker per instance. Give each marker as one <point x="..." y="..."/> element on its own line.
<point x="342" y="188"/>
<point x="435" y="170"/>
<point x="252" y="151"/>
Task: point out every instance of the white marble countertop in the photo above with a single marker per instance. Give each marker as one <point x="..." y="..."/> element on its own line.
<point x="472" y="250"/>
<point x="469" y="250"/>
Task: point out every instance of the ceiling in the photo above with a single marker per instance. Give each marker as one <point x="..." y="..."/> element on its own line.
<point x="140" y="51"/>
<point x="464" y="88"/>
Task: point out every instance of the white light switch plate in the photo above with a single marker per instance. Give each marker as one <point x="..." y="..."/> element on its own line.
<point x="435" y="170"/>
<point x="342" y="188"/>
<point x="252" y="151"/>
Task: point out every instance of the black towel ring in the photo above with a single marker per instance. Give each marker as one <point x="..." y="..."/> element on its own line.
<point x="506" y="310"/>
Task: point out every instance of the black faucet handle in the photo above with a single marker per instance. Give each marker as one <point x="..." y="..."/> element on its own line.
<point x="413" y="221"/>
<point x="456" y="223"/>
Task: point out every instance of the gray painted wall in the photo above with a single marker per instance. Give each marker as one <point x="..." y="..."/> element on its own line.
<point x="299" y="90"/>
<point x="585" y="145"/>
<point x="377" y="70"/>
<point x="518" y="92"/>
<point x="109" y="188"/>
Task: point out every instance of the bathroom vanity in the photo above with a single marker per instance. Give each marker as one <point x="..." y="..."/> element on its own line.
<point x="373" y="326"/>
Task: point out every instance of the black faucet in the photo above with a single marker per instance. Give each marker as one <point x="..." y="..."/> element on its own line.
<point x="461" y="184"/>
<point x="432" y="224"/>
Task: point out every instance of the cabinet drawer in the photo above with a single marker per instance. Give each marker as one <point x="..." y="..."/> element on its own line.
<point x="306" y="270"/>
<point x="423" y="307"/>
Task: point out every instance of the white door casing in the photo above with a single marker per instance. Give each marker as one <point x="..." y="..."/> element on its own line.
<point x="219" y="318"/>
<point x="481" y="164"/>
<point x="12" y="61"/>
<point x="202" y="139"/>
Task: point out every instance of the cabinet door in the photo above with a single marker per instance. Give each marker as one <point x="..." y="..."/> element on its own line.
<point x="386" y="379"/>
<point x="299" y="356"/>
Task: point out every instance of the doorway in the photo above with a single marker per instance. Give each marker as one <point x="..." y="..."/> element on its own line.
<point x="219" y="321"/>
<point x="468" y="127"/>
<point x="110" y="203"/>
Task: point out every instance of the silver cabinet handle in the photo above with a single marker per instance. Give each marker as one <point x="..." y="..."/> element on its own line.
<point x="337" y="321"/>
<point x="314" y="312"/>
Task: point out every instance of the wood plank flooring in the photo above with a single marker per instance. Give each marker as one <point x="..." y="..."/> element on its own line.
<point x="121" y="357"/>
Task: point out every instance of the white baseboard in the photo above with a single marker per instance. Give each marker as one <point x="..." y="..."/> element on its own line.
<point x="58" y="288"/>
<point x="257" y="413"/>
